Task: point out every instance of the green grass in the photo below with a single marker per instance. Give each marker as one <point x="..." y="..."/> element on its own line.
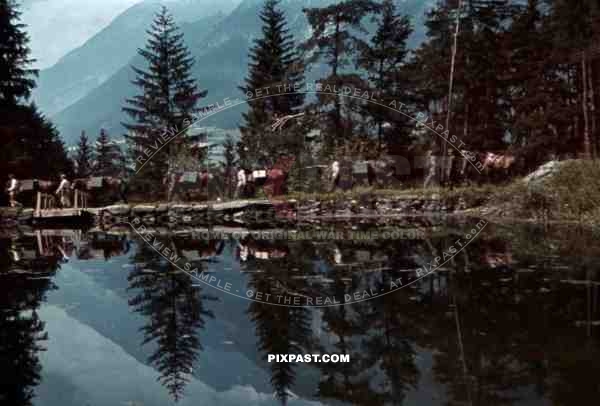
<point x="571" y="195"/>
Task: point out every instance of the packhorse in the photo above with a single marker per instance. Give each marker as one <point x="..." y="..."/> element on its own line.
<point x="495" y="167"/>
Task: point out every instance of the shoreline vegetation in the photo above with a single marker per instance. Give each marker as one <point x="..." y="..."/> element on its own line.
<point x="526" y="58"/>
<point x="569" y="194"/>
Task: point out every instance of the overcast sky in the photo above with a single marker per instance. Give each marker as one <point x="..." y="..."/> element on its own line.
<point x="57" y="26"/>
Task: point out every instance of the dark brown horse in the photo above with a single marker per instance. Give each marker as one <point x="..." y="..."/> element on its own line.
<point x="189" y="185"/>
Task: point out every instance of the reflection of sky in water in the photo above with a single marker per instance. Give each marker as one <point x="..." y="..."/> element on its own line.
<point x="108" y="365"/>
<point x="528" y="310"/>
<point x="90" y="313"/>
<point x="101" y="372"/>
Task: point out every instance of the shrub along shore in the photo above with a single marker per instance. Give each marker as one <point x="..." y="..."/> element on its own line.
<point x="569" y="193"/>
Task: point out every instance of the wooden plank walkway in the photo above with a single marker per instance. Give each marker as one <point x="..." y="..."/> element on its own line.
<point x="50" y="213"/>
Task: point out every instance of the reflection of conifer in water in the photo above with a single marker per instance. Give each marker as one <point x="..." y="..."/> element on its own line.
<point x="175" y="313"/>
<point x="279" y="329"/>
<point x="344" y="381"/>
<point x="359" y="330"/>
<point x="20" y="337"/>
<point x="388" y="342"/>
<point x="21" y="330"/>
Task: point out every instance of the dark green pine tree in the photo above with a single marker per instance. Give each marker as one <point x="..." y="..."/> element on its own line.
<point x="167" y="101"/>
<point x="336" y="37"/>
<point x="273" y="62"/>
<point x="388" y="341"/>
<point x="536" y="88"/>
<point x="575" y="37"/>
<point x="384" y="61"/>
<point x="29" y="146"/>
<point x="345" y="382"/>
<point x="16" y="76"/>
<point x="473" y="112"/>
<point x="484" y="85"/>
<point x="84" y="158"/>
<point x="107" y="156"/>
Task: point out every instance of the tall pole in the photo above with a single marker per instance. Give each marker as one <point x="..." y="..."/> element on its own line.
<point x="451" y="84"/>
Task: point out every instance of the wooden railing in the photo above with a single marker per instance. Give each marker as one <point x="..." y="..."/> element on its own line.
<point x="44" y="201"/>
<point x="80" y="199"/>
<point x="47" y="201"/>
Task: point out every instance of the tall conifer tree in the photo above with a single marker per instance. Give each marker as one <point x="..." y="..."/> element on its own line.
<point x="84" y="157"/>
<point x="176" y="311"/>
<point x="107" y="156"/>
<point x="336" y="36"/>
<point x="16" y="74"/>
<point x="167" y="101"/>
<point x="29" y="143"/>
<point x="384" y="60"/>
<point x="274" y="62"/>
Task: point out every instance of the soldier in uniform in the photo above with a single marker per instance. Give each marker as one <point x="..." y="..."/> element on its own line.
<point x="12" y="189"/>
<point x="63" y="190"/>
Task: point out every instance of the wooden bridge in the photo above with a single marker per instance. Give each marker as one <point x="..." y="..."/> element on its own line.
<point x="46" y="207"/>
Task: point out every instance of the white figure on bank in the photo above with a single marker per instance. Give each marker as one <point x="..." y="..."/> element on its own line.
<point x="13" y="186"/>
<point x="241" y="182"/>
<point x="62" y="190"/>
<point x="335" y="174"/>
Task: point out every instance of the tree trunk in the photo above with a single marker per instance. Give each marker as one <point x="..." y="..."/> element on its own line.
<point x="337" y="103"/>
<point x="592" y="108"/>
<point x="584" y="106"/>
<point x="466" y="121"/>
<point x="451" y="80"/>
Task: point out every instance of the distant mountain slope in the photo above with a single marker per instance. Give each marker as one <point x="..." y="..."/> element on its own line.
<point x="90" y="65"/>
<point x="101" y="108"/>
<point x="221" y="64"/>
<point x="56" y="27"/>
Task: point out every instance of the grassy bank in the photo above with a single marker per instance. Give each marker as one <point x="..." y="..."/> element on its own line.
<point x="570" y="195"/>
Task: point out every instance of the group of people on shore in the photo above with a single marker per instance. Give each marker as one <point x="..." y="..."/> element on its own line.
<point x="248" y="180"/>
<point x="62" y="191"/>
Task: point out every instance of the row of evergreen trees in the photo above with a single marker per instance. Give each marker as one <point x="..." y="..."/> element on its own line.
<point x="30" y="146"/>
<point x="104" y="158"/>
<point x="499" y="74"/>
<point x="524" y="76"/>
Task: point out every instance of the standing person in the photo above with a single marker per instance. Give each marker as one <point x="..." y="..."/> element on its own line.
<point x="432" y="167"/>
<point x="12" y="189"/>
<point x="241" y="183"/>
<point x="335" y="175"/>
<point x="62" y="190"/>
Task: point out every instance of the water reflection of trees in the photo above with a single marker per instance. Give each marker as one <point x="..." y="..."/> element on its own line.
<point x="374" y="335"/>
<point x="503" y="333"/>
<point x="23" y="285"/>
<point x="377" y="334"/>
<point x="281" y="329"/>
<point x="504" y="328"/>
<point x="175" y="311"/>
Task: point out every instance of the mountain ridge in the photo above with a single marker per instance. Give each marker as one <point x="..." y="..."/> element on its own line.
<point x="86" y="67"/>
<point x="221" y="54"/>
